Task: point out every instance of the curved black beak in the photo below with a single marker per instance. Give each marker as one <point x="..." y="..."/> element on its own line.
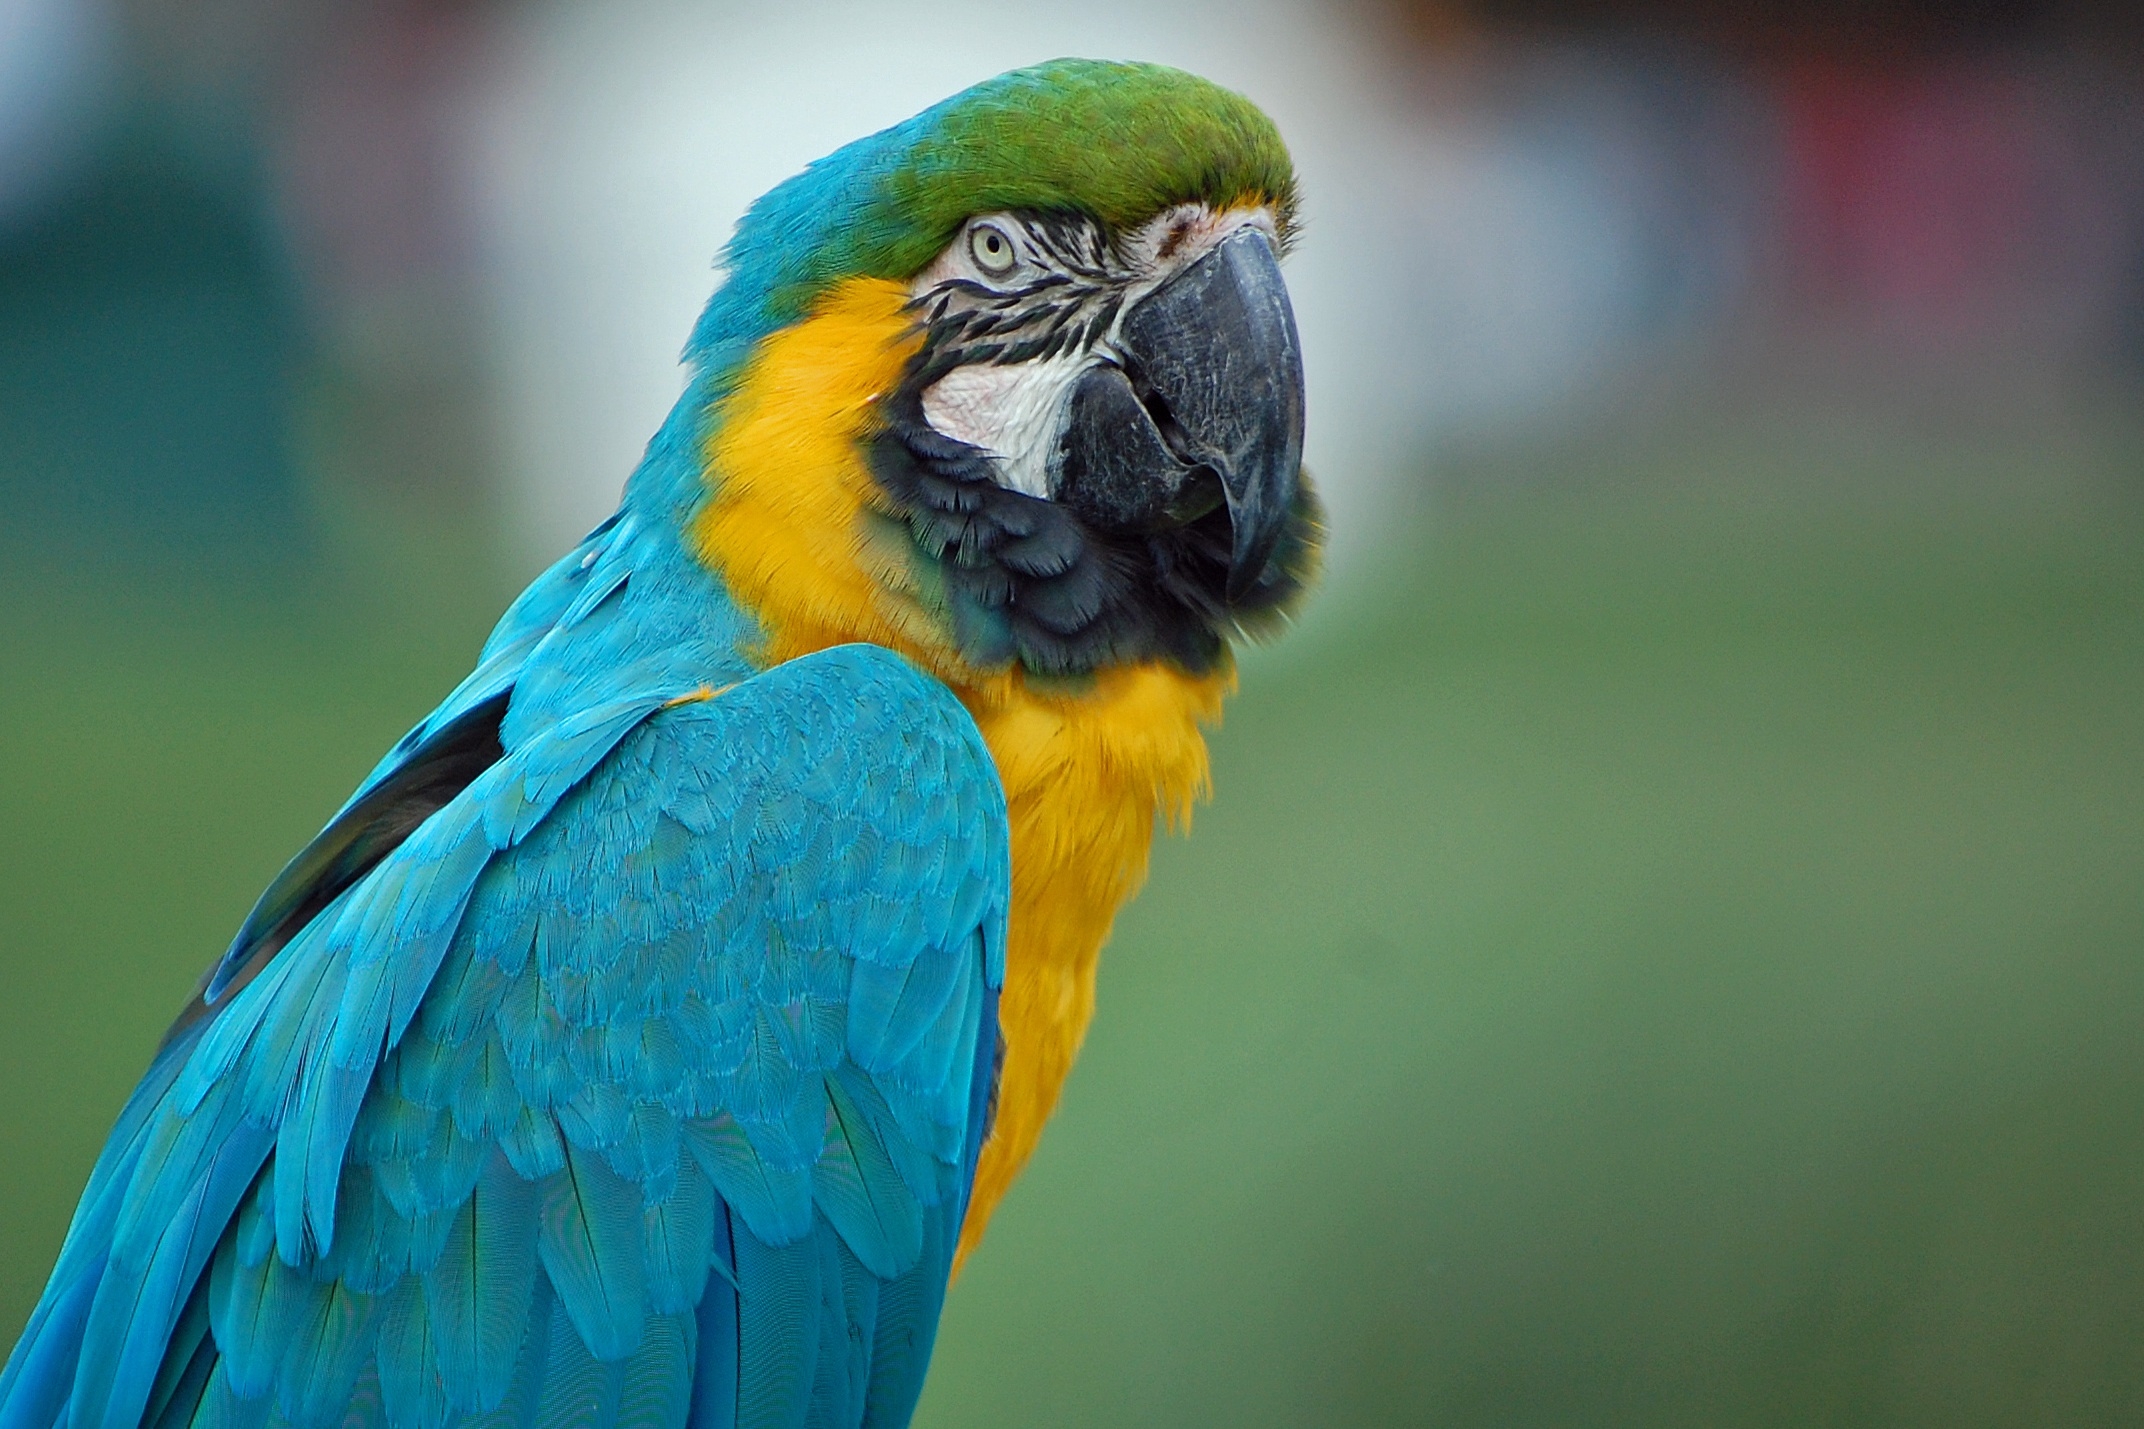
<point x="1206" y="409"/>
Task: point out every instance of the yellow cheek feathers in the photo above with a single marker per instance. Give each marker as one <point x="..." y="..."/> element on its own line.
<point x="785" y="526"/>
<point x="794" y="527"/>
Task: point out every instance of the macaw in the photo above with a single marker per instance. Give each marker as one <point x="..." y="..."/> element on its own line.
<point x="652" y="1030"/>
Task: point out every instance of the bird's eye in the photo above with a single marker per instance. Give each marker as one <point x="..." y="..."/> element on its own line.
<point x="991" y="248"/>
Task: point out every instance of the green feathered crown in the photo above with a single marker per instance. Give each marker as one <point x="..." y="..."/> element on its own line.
<point x="1116" y="141"/>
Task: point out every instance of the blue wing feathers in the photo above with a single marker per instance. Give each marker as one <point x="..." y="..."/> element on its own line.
<point x="579" y="1391"/>
<point x="177" y="1398"/>
<point x="221" y="1408"/>
<point x="778" y="1331"/>
<point x="182" y="1358"/>
<point x="716" y="1343"/>
<point x="908" y="1326"/>
<point x="679" y="1240"/>
<point x="524" y="1395"/>
<point x="477" y="1293"/>
<point x="366" y="1409"/>
<point x="655" y="1384"/>
<point x="774" y="1202"/>
<point x="639" y="1087"/>
<point x="412" y="1391"/>
<point x="591" y="1248"/>
<point x="833" y="1369"/>
<point x="324" y="1355"/>
<point x="41" y="1371"/>
<point x="862" y="1194"/>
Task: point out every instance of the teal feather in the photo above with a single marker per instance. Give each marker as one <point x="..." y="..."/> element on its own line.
<point x="411" y="1388"/>
<point x="431" y="1070"/>
<point x="860" y="1291"/>
<point x="485" y="1102"/>
<point x="462" y="1012"/>
<point x="392" y="1127"/>
<point x="178" y="1408"/>
<point x="366" y="1408"/>
<point x="655" y="1385"/>
<point x="323" y="1353"/>
<point x="715" y="1367"/>
<point x="591" y="1248"/>
<point x="774" y="1201"/>
<point x="920" y="1172"/>
<point x="794" y="1134"/>
<point x="595" y="1116"/>
<point x="42" y="1368"/>
<point x="534" y="1038"/>
<point x="646" y="1151"/>
<point x="610" y="581"/>
<point x="380" y="1244"/>
<point x="533" y="1145"/>
<point x="255" y="1225"/>
<point x="222" y="1409"/>
<point x="289" y="1019"/>
<point x="908" y="1325"/>
<point x="477" y="1293"/>
<point x="372" y="1242"/>
<point x="524" y="1395"/>
<point x="713" y="1031"/>
<point x="890" y="1008"/>
<point x="186" y="1197"/>
<point x="504" y="938"/>
<point x="646" y="1056"/>
<point x="328" y="1097"/>
<point x="766" y="1089"/>
<point x="442" y="1176"/>
<point x="862" y="1194"/>
<point x="678" y="1237"/>
<point x="241" y="1314"/>
<point x="227" y="1041"/>
<point x="778" y="1331"/>
<point x="579" y="1390"/>
<point x="928" y="1064"/>
<point x="836" y="1372"/>
<point x="188" y="1358"/>
<point x="40" y="1374"/>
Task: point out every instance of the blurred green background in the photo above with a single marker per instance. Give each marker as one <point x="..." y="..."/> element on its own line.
<point x="1669" y="959"/>
<point x="1668" y="945"/>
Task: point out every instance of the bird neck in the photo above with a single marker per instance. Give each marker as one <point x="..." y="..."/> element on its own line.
<point x="795" y="527"/>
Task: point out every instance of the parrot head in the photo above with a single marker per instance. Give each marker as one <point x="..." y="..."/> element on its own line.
<point x="1044" y="330"/>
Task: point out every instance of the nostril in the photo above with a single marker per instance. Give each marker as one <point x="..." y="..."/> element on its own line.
<point x="1158" y="411"/>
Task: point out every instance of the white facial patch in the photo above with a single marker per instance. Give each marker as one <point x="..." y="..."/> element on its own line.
<point x="1016" y="410"/>
<point x="1013" y="411"/>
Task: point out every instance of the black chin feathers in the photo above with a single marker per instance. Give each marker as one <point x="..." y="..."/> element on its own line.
<point x="1027" y="581"/>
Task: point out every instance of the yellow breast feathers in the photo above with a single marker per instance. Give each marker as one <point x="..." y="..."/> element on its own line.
<point x="798" y="530"/>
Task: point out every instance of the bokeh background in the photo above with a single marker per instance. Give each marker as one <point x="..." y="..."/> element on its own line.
<point x="1669" y="945"/>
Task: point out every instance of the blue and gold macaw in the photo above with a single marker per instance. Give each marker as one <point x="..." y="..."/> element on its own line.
<point x="655" y="1026"/>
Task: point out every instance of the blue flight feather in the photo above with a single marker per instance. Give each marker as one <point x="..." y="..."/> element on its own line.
<point x="590" y="1241"/>
<point x="477" y="1293"/>
<point x="638" y="1086"/>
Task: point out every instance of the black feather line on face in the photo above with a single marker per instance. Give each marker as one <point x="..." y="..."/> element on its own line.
<point x="1027" y="580"/>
